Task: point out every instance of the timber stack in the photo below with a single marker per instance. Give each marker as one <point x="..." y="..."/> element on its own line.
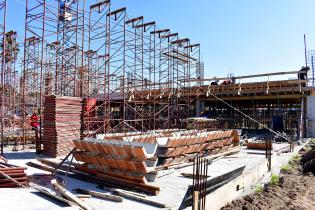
<point x="134" y="158"/>
<point x="11" y="176"/>
<point x="62" y="125"/>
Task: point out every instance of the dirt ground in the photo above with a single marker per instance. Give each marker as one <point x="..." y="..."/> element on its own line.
<point x="295" y="191"/>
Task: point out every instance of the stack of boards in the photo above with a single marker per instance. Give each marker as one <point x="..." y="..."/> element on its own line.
<point x="14" y="172"/>
<point x="62" y="124"/>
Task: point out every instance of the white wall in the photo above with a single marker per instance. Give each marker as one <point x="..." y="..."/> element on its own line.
<point x="311" y="115"/>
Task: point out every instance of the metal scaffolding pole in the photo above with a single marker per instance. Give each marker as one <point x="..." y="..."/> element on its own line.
<point x="95" y="59"/>
<point x="33" y="66"/>
<point x="70" y="53"/>
<point x="115" y="68"/>
<point x="3" y="10"/>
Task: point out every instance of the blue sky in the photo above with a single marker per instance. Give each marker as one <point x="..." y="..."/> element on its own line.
<point x="239" y="36"/>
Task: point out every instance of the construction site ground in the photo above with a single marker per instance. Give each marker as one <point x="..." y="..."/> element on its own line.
<point x="295" y="190"/>
<point x="173" y="185"/>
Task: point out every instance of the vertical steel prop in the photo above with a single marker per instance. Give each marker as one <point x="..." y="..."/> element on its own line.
<point x="268" y="152"/>
<point x="3" y="6"/>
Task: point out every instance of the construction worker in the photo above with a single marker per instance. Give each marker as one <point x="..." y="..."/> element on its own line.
<point x="65" y="10"/>
<point x="35" y="125"/>
<point x="302" y="75"/>
<point x="216" y="82"/>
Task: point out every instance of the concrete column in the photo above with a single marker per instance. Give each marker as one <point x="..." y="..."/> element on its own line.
<point x="200" y="107"/>
<point x="310" y="115"/>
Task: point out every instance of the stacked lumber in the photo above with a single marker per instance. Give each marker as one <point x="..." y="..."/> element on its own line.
<point x="62" y="124"/>
<point x="12" y="176"/>
<point x="180" y="146"/>
<point x="128" y="160"/>
<point x="90" y="175"/>
<point x="174" y="150"/>
<point x="201" y="123"/>
<point x="147" y="137"/>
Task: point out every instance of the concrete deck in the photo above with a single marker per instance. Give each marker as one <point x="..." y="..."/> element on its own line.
<point x="173" y="185"/>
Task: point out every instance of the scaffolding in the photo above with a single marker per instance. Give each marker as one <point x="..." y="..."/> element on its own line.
<point x="131" y="75"/>
<point x="3" y="11"/>
<point x="311" y="64"/>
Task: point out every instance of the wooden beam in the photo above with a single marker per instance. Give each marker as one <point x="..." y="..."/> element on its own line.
<point x="184" y="55"/>
<point x="169" y="35"/>
<point x="12" y="180"/>
<point x="134" y="19"/>
<point x="179" y="41"/>
<point x="190" y="175"/>
<point x="46" y="192"/>
<point x="100" y="195"/>
<point x="175" y="57"/>
<point x="265" y="97"/>
<point x="191" y="46"/>
<point x="160" y="31"/>
<point x="134" y="197"/>
<point x="97" y="5"/>
<point x="145" y="24"/>
<point x="70" y="196"/>
<point x="117" y="11"/>
<point x="83" y="196"/>
<point x="100" y="178"/>
<point x="195" y="200"/>
<point x="248" y="76"/>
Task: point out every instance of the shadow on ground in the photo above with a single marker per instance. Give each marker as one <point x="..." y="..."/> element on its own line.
<point x="20" y="155"/>
<point x="50" y="199"/>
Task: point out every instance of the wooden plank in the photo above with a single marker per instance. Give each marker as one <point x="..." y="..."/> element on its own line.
<point x="195" y="200"/>
<point x="70" y="196"/>
<point x="190" y="175"/>
<point x="183" y="165"/>
<point x="81" y="175"/>
<point x="100" y="195"/>
<point x="259" y="145"/>
<point x="135" y="197"/>
<point x="46" y="192"/>
<point x="150" y="189"/>
<point x="83" y="196"/>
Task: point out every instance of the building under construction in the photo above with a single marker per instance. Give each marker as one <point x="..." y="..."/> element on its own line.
<point x="128" y="99"/>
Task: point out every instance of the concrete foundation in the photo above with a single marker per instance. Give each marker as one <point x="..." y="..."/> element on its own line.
<point x="173" y="185"/>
